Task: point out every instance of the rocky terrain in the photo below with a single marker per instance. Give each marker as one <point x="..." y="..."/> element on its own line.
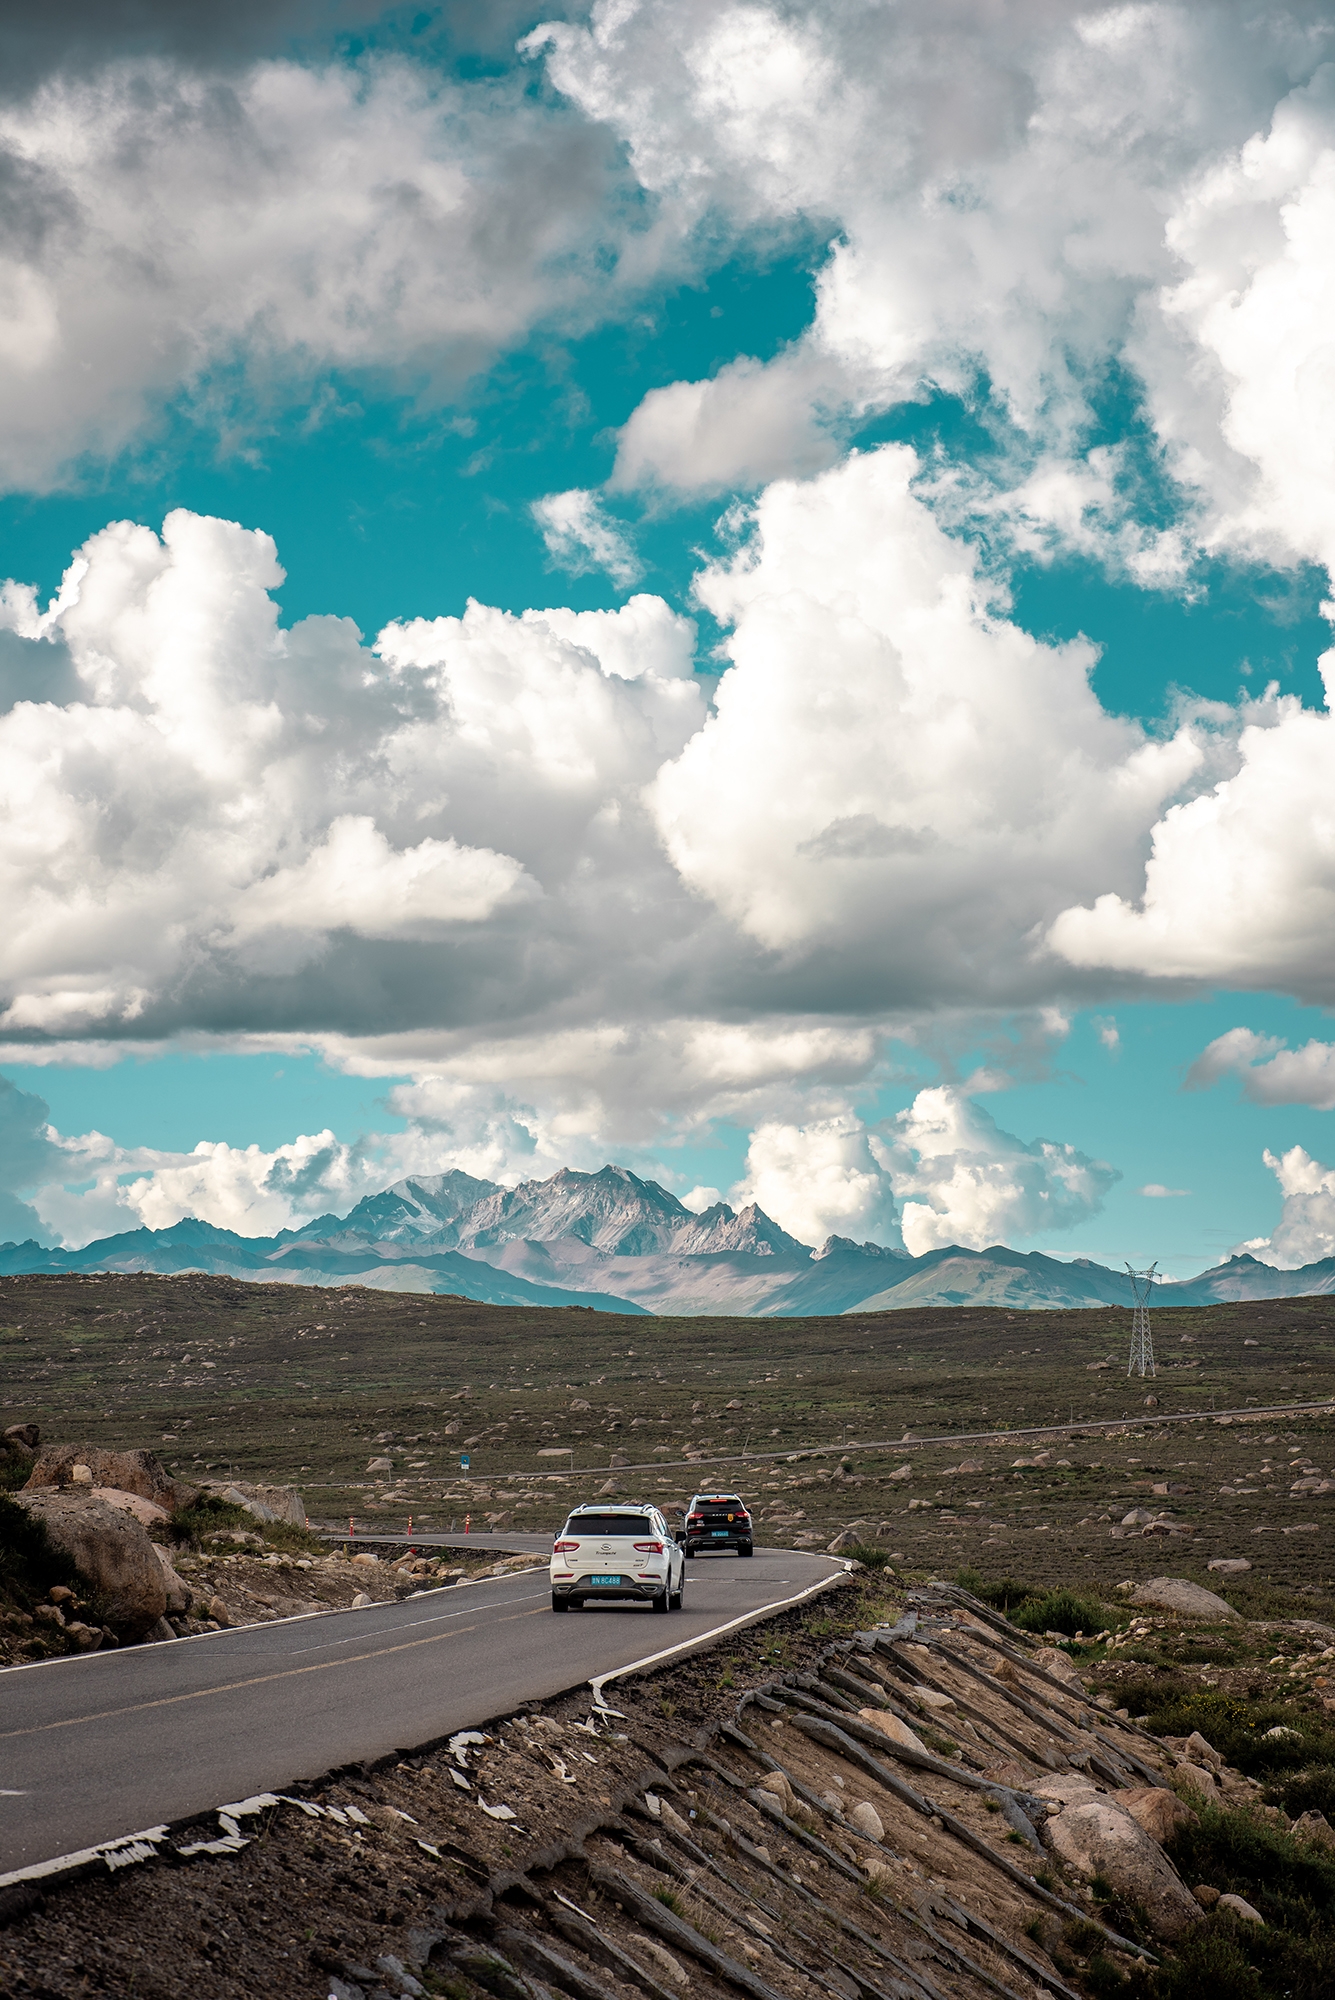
<point x="101" y="1548"/>
<point x="894" y="1792"/>
<point x="365" y="1401"/>
<point x="616" y="1243"/>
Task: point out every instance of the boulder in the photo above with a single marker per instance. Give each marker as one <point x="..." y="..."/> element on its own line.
<point x="1060" y="1665"/>
<point x="1161" y="1812"/>
<point x="1189" y="1600"/>
<point x="1228" y="1565"/>
<point x="778" y="1786"/>
<point x="179" y="1594"/>
<point x="1201" y="1752"/>
<point x="1200" y="1783"/>
<point x="1096" y="1837"/>
<point x="1315" y="1829"/>
<point x="27" y="1435"/>
<point x="891" y="1726"/>
<point x="867" y="1820"/>
<point x="111" y="1552"/>
<point x="1240" y="1908"/>
<point x="931" y="1698"/>
<point x="146" y="1512"/>
<point x="128" y="1471"/>
<point x="842" y="1541"/>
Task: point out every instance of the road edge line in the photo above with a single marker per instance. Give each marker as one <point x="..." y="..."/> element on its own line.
<point x="687" y="1646"/>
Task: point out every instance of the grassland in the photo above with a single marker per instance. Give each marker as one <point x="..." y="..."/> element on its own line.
<point x="282" y="1382"/>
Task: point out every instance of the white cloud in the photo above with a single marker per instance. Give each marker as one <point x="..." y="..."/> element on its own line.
<point x="1240" y="884"/>
<point x="580" y="536"/>
<point x="170" y="230"/>
<point x="746" y="425"/>
<point x="1027" y="195"/>
<point x="890" y="757"/>
<point x="1156" y="1191"/>
<point x="819" y="1179"/>
<point x="1270" y="1072"/>
<point x="1306" y="1231"/>
<point x="961" y="1179"/>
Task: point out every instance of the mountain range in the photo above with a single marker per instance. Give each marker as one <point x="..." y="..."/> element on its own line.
<point x="615" y="1243"/>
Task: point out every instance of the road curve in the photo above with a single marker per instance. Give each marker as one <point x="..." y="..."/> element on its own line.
<point x="98" y="1746"/>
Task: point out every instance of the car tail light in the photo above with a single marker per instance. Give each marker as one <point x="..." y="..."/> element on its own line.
<point x="648" y="1548"/>
<point x="564" y="1548"/>
<point x="695" y="1521"/>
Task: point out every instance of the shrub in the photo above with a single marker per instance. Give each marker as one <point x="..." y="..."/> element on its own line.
<point x="206" y="1515"/>
<point x="1249" y="1856"/>
<point x="1237" y="1729"/>
<point x="869" y="1554"/>
<point x="1312" y="1790"/>
<point x="30" y="1562"/>
<point x="1059" y="1611"/>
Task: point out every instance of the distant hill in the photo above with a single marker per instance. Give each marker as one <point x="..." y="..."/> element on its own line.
<point x="614" y="1242"/>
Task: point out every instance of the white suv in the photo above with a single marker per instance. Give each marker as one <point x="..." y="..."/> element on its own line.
<point x="607" y="1552"/>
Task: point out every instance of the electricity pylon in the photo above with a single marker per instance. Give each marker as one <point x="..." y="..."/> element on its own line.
<point x="1142" y="1340"/>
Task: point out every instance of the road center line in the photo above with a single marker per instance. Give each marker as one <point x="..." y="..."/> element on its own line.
<point x="233" y="1687"/>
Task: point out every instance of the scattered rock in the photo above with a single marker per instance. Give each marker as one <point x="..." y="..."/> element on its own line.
<point x="891" y="1726"/>
<point x="1137" y="1518"/>
<point x="128" y="1471"/>
<point x="901" y="1472"/>
<point x="364" y="1557"/>
<point x="379" y="1465"/>
<point x="1315" y="1829"/>
<point x="1096" y="1837"/>
<point x="1196" y="1780"/>
<point x="218" y="1612"/>
<point x="361" y="1600"/>
<point x="26" y="1435"/>
<point x="777" y="1785"/>
<point x="266" y="1503"/>
<point x="1189" y="1600"/>
<point x="608" y="1488"/>
<point x="930" y="1698"/>
<point x="659" y="1956"/>
<point x="1240" y="1908"/>
<point x="81" y="1475"/>
<point x="1201" y="1752"/>
<point x="111" y="1552"/>
<point x="1205" y="1895"/>
<point x="1060" y="1665"/>
<point x="1160" y="1812"/>
<point x="867" y="1820"/>
<point x="1229" y="1565"/>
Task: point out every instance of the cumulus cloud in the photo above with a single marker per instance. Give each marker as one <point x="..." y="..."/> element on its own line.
<point x="890" y="757"/>
<point x="820" y="1179"/>
<point x="580" y="536"/>
<point x="30" y="1156"/>
<point x="172" y="229"/>
<point x="1240" y="884"/>
<point x="1306" y="1230"/>
<point x="1156" y="1191"/>
<point x="1270" y="1072"/>
<point x="1017" y="198"/>
<point x="746" y="425"/>
<point x="963" y="1180"/>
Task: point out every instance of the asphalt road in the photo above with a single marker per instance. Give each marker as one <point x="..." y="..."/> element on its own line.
<point x="105" y="1744"/>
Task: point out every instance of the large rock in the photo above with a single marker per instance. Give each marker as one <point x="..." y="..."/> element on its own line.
<point x="112" y="1553"/>
<point x="1189" y="1600"/>
<point x="146" y="1512"/>
<point x="1096" y="1837"/>
<point x="1161" y="1812"/>
<point x="128" y="1471"/>
<point x="180" y="1597"/>
<point x="1060" y="1665"/>
<point x="891" y="1726"/>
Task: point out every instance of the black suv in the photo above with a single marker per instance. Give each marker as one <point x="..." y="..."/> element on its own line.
<point x="718" y="1521"/>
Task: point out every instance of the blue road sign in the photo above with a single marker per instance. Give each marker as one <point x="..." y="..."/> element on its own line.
<point x="464" y="1461"/>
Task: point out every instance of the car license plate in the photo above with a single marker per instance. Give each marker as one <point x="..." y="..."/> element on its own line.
<point x="719" y="1531"/>
<point x="604" y="1579"/>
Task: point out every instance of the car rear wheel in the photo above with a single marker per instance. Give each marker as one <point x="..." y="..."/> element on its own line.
<point x="690" y="1553"/>
<point x="663" y="1601"/>
<point x="745" y="1549"/>
<point x="560" y="1603"/>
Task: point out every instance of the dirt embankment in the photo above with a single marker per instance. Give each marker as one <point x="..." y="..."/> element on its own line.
<point x="885" y="1795"/>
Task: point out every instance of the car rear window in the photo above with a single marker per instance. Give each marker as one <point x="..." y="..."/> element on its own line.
<point x="607" y="1524"/>
<point x="718" y="1500"/>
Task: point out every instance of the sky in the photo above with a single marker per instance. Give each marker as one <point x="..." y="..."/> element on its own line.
<point x="742" y="589"/>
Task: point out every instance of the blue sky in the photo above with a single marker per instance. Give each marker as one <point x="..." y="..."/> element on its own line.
<point x="895" y="523"/>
